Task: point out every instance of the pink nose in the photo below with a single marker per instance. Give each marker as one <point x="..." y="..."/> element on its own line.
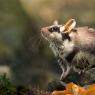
<point x="44" y="29"/>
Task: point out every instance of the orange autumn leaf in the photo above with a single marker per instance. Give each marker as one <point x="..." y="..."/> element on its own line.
<point x="69" y="87"/>
<point x="90" y="90"/>
<point x="91" y="86"/>
<point x="77" y="90"/>
<point x="60" y="92"/>
<point x="73" y="89"/>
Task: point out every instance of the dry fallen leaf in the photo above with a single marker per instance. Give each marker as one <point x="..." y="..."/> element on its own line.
<point x="73" y="89"/>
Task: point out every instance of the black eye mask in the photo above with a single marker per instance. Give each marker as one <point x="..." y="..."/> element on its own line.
<point x="54" y="29"/>
<point x="65" y="36"/>
<point x="57" y="29"/>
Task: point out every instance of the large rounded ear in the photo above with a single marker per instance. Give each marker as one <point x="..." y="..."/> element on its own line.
<point x="69" y="25"/>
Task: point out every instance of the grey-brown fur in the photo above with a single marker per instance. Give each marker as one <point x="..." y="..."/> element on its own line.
<point x="85" y="39"/>
<point x="78" y="41"/>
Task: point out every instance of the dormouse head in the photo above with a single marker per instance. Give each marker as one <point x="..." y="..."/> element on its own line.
<point x="57" y="32"/>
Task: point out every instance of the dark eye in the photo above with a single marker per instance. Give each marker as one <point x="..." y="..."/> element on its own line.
<point x="51" y="29"/>
<point x="54" y="29"/>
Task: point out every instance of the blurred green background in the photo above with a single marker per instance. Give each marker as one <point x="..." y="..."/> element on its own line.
<point x="24" y="55"/>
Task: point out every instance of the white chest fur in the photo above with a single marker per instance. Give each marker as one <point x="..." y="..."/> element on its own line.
<point x="68" y="47"/>
<point x="62" y="50"/>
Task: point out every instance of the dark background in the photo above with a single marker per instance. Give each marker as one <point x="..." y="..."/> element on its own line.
<point x="24" y="55"/>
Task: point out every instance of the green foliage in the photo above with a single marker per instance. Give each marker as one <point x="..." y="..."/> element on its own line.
<point x="8" y="88"/>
